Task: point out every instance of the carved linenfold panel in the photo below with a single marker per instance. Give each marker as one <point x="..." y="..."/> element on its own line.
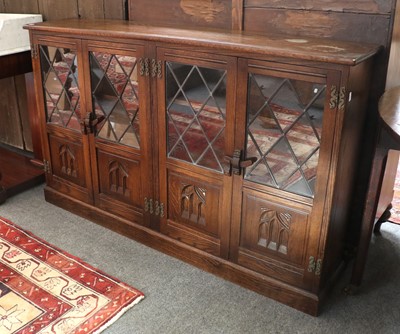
<point x="118" y="179"/>
<point x="273" y="231"/>
<point x="67" y="161"/>
<point x="193" y="202"/>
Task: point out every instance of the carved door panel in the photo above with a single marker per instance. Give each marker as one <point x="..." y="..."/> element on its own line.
<point x="120" y="125"/>
<point x="196" y="125"/>
<point x="67" y="166"/>
<point x="280" y="199"/>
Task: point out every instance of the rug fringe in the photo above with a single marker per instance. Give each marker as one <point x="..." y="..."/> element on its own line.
<point x="118" y="315"/>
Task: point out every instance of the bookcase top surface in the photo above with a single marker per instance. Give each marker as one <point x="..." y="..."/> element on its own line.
<point x="305" y="48"/>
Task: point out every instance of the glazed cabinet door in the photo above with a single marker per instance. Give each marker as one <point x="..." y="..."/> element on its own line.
<point x="286" y="121"/>
<point x="119" y="124"/>
<point x="195" y="134"/>
<point x="59" y="85"/>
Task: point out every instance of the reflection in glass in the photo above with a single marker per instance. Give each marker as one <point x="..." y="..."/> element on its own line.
<point x="115" y="93"/>
<point x="60" y="85"/>
<point x="284" y="125"/>
<point x="196" y="114"/>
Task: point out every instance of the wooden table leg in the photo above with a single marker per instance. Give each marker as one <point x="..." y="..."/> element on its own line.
<point x="374" y="190"/>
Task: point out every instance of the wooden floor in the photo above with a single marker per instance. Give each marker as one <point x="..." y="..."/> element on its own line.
<point x="17" y="173"/>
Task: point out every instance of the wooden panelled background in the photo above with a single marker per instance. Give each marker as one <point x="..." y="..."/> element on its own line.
<point x="215" y="14"/>
<point x="357" y="20"/>
<point x="14" y="127"/>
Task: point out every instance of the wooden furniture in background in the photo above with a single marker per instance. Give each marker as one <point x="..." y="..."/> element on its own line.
<point x="380" y="191"/>
<point x="18" y="121"/>
<point x="18" y="173"/>
<point x="15" y="129"/>
<point x="19" y="170"/>
<point x="232" y="151"/>
<point x="393" y="76"/>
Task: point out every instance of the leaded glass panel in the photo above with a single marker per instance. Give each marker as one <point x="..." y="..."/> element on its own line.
<point x="60" y="85"/>
<point x="196" y="114"/>
<point x="284" y="126"/>
<point x="115" y="94"/>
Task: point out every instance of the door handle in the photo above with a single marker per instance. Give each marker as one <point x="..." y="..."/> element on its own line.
<point x="89" y="123"/>
<point x="236" y="162"/>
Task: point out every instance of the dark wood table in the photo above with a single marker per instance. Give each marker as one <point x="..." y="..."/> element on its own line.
<point x="382" y="179"/>
<point x="389" y="111"/>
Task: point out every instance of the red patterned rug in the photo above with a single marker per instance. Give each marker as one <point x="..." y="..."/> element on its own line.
<point x="45" y="290"/>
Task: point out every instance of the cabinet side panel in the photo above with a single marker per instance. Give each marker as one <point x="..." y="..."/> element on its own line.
<point x="348" y="167"/>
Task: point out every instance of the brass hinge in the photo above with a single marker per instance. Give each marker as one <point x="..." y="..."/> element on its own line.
<point x="34" y="51"/>
<point x="141" y="66"/>
<point x="150" y="67"/>
<point x="342" y="98"/>
<point x="159" y="209"/>
<point x="147" y="67"/>
<point x="156" y="68"/>
<point x="337" y="98"/>
<point x="162" y="210"/>
<point x="153" y="68"/>
<point x="159" y="69"/>
<point x="311" y="264"/>
<point x="333" y="100"/>
<point x="144" y="67"/>
<point x="46" y="167"/>
<point x="148" y="205"/>
<point x="318" y="267"/>
<point x="314" y="266"/>
<point x="154" y="207"/>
